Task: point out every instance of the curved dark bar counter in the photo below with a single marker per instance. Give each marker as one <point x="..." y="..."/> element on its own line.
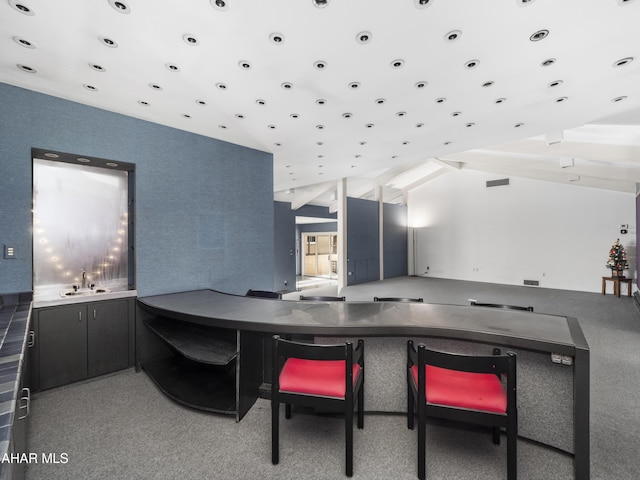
<point x="176" y="334"/>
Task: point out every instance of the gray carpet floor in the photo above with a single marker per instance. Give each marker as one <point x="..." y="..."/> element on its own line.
<point x="121" y="427"/>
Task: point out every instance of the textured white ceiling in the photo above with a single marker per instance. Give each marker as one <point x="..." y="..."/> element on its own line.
<point x="200" y="67"/>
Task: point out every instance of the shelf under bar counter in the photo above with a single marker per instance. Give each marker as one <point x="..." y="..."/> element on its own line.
<point x="209" y="350"/>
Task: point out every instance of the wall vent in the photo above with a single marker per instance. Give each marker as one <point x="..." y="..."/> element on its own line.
<point x="497" y="183"/>
<point x="532" y="283"/>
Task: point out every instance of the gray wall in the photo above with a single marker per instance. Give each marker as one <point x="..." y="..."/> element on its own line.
<point x="363" y="241"/>
<point x="204" y="208"/>
<point x="394" y="221"/>
<point x="285" y="247"/>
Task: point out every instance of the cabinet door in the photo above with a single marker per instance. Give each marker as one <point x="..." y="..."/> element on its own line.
<point x="62" y="345"/>
<point x="108" y="336"/>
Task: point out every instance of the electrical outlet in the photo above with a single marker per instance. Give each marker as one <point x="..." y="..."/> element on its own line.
<point x="9" y="252"/>
<point x="567" y="360"/>
<point x="556" y="358"/>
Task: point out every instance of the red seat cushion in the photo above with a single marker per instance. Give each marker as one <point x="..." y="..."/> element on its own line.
<point x="316" y="377"/>
<point x="477" y="391"/>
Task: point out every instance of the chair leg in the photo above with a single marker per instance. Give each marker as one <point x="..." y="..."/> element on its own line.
<point x="496" y="435"/>
<point x="348" y="423"/>
<point x="512" y="451"/>
<point x="287" y="411"/>
<point x="422" y="441"/>
<point x="361" y="407"/>
<point x="275" y="432"/>
<point x="410" y="407"/>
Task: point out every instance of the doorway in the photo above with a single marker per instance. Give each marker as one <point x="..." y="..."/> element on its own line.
<point x="320" y="255"/>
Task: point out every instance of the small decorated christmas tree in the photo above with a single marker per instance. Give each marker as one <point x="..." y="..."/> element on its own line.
<point x="617" y="260"/>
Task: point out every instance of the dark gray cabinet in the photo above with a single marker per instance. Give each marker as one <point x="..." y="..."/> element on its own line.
<point x="83" y="340"/>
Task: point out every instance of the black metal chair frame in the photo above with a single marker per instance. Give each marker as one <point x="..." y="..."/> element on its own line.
<point x="263" y="294"/>
<point x="498" y="305"/>
<point x="398" y="299"/>
<point x="354" y="393"/>
<point x="322" y="298"/>
<point x="502" y="365"/>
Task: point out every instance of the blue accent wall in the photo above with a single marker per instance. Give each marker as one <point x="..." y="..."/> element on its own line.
<point x="395" y="248"/>
<point x="204" y="207"/>
<point x="363" y="241"/>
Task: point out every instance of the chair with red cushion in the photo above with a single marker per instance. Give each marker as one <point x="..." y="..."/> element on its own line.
<point x="465" y="388"/>
<point x="318" y="376"/>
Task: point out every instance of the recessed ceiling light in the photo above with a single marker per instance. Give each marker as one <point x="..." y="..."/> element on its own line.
<point x="539" y="35"/>
<point x="191" y="39"/>
<point x="294" y="115"/>
<point x="518" y="125"/>
<point x="441" y="100"/>
<point x="120" y="6"/>
<point x="619" y="99"/>
<point x="244" y="64"/>
<point x="406" y="142"/>
<point x="223" y="127"/>
<point x="320" y="3"/>
<point x="90" y="87"/>
<point x="363" y="143"/>
<point x="276" y="38"/>
<point x="319" y="143"/>
<point x="21" y="7"/>
<point x="472" y="63"/>
<point x="23" y="43"/>
<point x="369" y="125"/>
<point x="624" y="2"/>
<point x="555" y="83"/>
<point x="354" y="85"/>
<point x="548" y="62"/>
<point x="347" y="115"/>
<point x="321" y="101"/>
<point x="488" y="84"/>
<point x="261" y="102"/>
<point x="172" y="67"/>
<point x="287" y="85"/>
<point x="111" y="164"/>
<point x="186" y="115"/>
<point x="623" y="61"/>
<point x="26" y="68"/>
<point x="155" y="86"/>
<point x="397" y="63"/>
<point x="320" y="64"/>
<point x="97" y="68"/>
<point x="364" y="37"/>
<point x="144" y="103"/>
<point x="51" y="155"/>
<point x="525" y="2"/>
<point x="108" y="42"/>
<point x="470" y="124"/>
<point x="500" y="100"/>
<point x="401" y="114"/>
<point x="83" y="160"/>
<point x="421" y="84"/>
<point x="320" y="127"/>
<point x="561" y="99"/>
<point x="271" y="127"/>
<point x="221" y="86"/>
<point x="380" y="101"/>
<point x="419" y="125"/>
<point x="448" y="142"/>
<point x="456" y="114"/>
<point x="239" y="116"/>
<point x="219" y="4"/>
<point x="422" y="3"/>
<point x="201" y="102"/>
<point x="453" y="35"/>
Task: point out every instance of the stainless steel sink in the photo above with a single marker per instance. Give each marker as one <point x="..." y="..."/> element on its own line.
<point x="83" y="292"/>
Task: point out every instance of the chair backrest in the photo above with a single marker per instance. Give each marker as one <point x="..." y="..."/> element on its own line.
<point x="322" y="298"/>
<point x="398" y="299"/>
<point x="499" y="305"/>
<point x="263" y="294"/>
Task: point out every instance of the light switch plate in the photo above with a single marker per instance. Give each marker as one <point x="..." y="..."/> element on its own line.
<point x="9" y="251"/>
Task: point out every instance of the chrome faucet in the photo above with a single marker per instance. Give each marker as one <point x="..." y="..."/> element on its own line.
<point x="84" y="279"/>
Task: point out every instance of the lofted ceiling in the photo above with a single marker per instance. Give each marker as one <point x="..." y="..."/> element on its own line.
<point x="387" y="93"/>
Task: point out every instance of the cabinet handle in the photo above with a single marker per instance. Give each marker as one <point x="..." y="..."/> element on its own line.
<point x="80" y="316"/>
<point x="94" y="313"/>
<point x="26" y="398"/>
<point x="32" y="339"/>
